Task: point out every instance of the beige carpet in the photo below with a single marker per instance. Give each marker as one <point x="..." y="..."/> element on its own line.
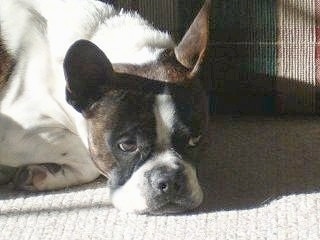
<point x="261" y="179"/>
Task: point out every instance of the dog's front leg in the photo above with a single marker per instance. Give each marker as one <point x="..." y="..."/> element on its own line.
<point x="62" y="169"/>
<point x="65" y="162"/>
<point x="47" y="157"/>
<point x="48" y="176"/>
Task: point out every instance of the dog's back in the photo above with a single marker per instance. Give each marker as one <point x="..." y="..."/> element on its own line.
<point x="123" y="36"/>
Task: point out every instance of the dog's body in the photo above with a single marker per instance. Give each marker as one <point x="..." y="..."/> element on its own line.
<point x="54" y="139"/>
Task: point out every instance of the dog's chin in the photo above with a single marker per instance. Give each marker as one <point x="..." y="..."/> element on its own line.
<point x="182" y="205"/>
<point x="172" y="208"/>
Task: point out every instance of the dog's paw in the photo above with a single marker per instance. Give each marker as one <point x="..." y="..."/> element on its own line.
<point x="33" y="177"/>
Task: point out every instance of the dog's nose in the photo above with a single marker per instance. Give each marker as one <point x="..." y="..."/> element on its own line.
<point x="168" y="181"/>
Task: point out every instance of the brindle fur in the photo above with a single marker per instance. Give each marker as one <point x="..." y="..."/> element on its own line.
<point x="105" y="117"/>
<point x="165" y="69"/>
<point x="6" y="65"/>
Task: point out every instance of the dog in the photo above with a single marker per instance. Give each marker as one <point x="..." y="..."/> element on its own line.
<point x="86" y="90"/>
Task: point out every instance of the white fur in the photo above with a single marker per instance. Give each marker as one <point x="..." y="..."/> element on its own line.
<point x="33" y="108"/>
<point x="164" y="111"/>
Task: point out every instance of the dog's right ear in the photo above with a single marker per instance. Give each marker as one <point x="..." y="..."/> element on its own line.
<point x="87" y="71"/>
<point x="191" y="50"/>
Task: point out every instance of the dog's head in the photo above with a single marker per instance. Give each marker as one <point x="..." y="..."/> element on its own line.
<point x="145" y="122"/>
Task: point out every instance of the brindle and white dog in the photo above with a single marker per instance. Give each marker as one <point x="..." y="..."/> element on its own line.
<point x="86" y="89"/>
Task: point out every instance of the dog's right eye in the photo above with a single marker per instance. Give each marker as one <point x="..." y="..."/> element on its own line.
<point x="128" y="146"/>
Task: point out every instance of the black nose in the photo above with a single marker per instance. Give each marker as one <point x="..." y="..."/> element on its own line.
<point x="165" y="180"/>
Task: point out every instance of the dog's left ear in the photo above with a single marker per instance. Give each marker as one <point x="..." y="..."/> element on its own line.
<point x="88" y="74"/>
<point x="190" y="52"/>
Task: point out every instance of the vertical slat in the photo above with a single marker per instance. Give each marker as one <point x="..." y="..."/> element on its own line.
<point x="163" y="14"/>
<point x="125" y="3"/>
<point x="296" y="55"/>
<point x="317" y="49"/>
<point x="244" y="55"/>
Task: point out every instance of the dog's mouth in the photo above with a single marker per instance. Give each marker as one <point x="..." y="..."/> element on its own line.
<point x="168" y="209"/>
<point x="173" y="208"/>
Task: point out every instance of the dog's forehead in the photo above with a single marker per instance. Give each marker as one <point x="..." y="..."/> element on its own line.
<point x="161" y="111"/>
<point x="145" y="112"/>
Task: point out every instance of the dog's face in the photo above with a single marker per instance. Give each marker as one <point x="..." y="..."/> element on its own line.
<point x="152" y="139"/>
<point x="145" y="123"/>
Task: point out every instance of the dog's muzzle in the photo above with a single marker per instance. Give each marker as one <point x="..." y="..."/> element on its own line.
<point x="164" y="184"/>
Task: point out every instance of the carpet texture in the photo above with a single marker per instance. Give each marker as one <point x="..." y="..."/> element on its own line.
<point x="260" y="176"/>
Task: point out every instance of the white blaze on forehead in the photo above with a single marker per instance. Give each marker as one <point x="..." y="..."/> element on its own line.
<point x="164" y="111"/>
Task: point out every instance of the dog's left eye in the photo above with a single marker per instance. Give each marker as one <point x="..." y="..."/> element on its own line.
<point x="128" y="146"/>
<point x="193" y="141"/>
